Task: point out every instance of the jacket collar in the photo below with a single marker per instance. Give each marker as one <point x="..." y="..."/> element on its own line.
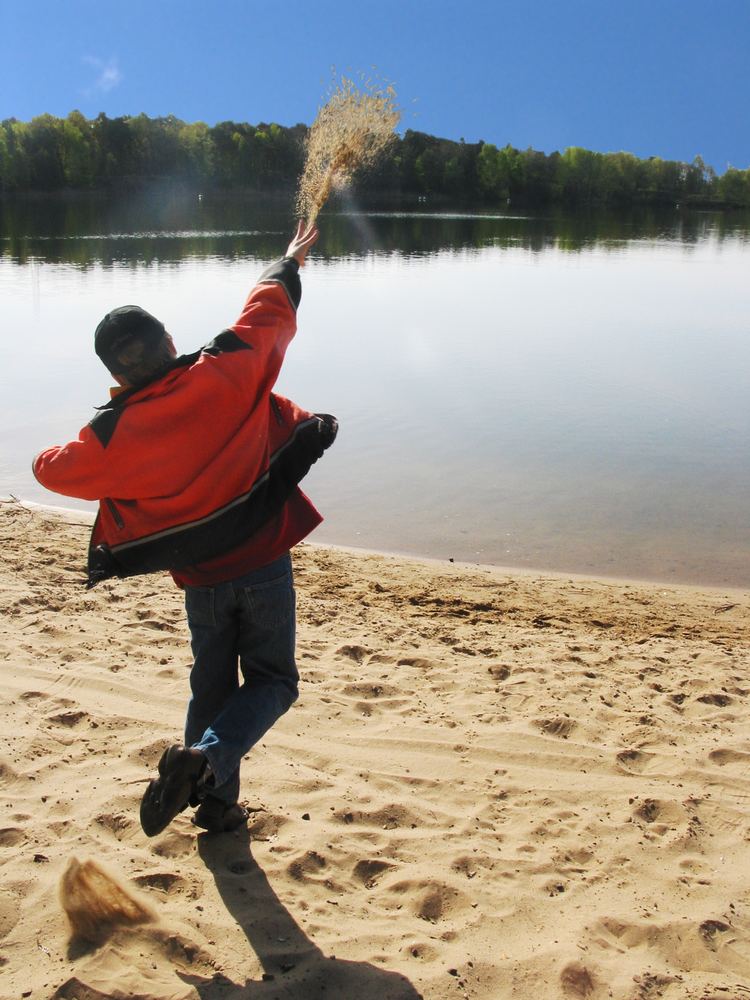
<point x="122" y="395"/>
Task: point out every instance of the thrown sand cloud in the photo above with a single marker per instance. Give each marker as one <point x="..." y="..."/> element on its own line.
<point x="349" y="133"/>
<point x="96" y="901"/>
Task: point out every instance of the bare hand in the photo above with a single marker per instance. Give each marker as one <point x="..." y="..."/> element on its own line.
<point x="302" y="240"/>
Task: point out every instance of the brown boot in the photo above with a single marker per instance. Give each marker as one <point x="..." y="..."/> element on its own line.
<point x="217" y="816"/>
<point x="180" y="770"/>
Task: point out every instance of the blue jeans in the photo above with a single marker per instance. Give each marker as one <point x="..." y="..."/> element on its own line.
<point x="248" y="622"/>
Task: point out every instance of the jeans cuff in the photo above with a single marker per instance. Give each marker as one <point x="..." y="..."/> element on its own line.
<point x="214" y="778"/>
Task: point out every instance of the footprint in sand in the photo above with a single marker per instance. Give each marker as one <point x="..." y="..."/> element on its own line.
<point x="10" y="913"/>
<point x="468" y="865"/>
<point x="415" y="661"/>
<point x="724" y="756"/>
<point x="381" y="658"/>
<point x="430" y="901"/>
<point x="151" y="623"/>
<point x="572" y="862"/>
<point x="391" y="817"/>
<point x="560" y="727"/>
<point x="68" y="719"/>
<point x="149" y="754"/>
<point x="33" y="696"/>
<point x="576" y="980"/>
<point x="648" y="811"/>
<point x="634" y="761"/>
<point x="7" y="772"/>
<point x="11" y="836"/>
<point x="664" y="817"/>
<point x="370" y="691"/>
<point x="499" y="671"/>
<point x="174" y="845"/>
<point x="422" y="950"/>
<point x="165" y="882"/>
<point x="310" y="863"/>
<point x="356" y="653"/>
<point x="710" y="930"/>
<point x="721" y="700"/>
<point x="369" y="871"/>
<point x="265" y="826"/>
<point x="440" y="901"/>
<point x="117" y="823"/>
<point x="554" y="887"/>
<point x="651" y="984"/>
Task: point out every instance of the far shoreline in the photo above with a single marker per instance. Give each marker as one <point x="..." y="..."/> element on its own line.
<point x="84" y="518"/>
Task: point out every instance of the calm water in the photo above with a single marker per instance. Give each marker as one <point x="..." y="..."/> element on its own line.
<point x="546" y="392"/>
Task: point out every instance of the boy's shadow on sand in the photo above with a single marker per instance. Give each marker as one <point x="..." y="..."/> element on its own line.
<point x="295" y="967"/>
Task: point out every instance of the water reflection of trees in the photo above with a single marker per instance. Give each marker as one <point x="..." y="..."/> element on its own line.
<point x="170" y="226"/>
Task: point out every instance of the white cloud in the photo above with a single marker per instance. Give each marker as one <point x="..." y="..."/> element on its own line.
<point x="109" y="75"/>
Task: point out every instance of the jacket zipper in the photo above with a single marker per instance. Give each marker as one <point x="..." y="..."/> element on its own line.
<point x="115" y="513"/>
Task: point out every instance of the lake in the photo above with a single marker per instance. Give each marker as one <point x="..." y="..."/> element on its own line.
<point x="538" y="391"/>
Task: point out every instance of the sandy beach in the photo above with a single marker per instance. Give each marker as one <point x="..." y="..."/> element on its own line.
<point x="494" y="785"/>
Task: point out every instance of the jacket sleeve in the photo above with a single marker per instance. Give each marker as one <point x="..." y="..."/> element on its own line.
<point x="77" y="469"/>
<point x="285" y="272"/>
<point x="268" y="320"/>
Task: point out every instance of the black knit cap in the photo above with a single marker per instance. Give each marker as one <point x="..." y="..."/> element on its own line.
<point x="122" y="328"/>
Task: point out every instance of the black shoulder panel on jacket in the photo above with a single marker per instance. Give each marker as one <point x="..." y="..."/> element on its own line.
<point x="285" y="272"/>
<point x="104" y="423"/>
<point x="226" y="343"/>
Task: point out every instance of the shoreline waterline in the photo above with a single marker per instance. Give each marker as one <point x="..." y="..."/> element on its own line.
<point x="83" y="518"/>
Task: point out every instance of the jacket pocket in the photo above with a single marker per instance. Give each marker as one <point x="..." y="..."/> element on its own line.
<point x="116" y="517"/>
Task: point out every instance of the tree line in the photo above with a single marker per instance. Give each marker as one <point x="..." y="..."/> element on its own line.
<point x="77" y="153"/>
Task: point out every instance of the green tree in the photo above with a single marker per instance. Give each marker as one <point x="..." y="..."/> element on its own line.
<point x="620" y="177"/>
<point x="77" y="151"/>
<point x="196" y="151"/>
<point x="114" y="149"/>
<point x="580" y="174"/>
<point x="428" y="170"/>
<point x="663" y="179"/>
<point x="733" y="187"/>
<point x="225" y="153"/>
<point x="700" y="179"/>
<point x="43" y="142"/>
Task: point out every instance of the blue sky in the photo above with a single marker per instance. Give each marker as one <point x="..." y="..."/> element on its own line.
<point x="669" y="78"/>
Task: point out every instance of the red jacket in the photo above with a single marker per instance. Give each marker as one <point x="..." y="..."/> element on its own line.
<point x="191" y="465"/>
